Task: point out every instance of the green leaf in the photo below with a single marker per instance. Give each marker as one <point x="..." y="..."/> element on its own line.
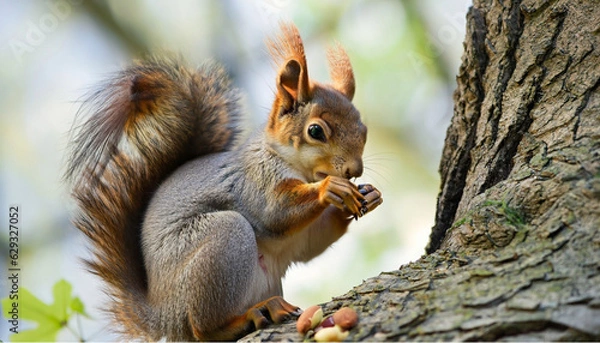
<point x="51" y="318"/>
<point x="32" y="308"/>
<point x="78" y="307"/>
<point x="45" y="332"/>
<point x="62" y="299"/>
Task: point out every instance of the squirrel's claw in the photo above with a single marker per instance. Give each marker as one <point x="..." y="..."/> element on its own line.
<point x="372" y="197"/>
<point x="273" y="310"/>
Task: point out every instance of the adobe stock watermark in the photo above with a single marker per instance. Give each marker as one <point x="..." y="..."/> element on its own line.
<point x="445" y="36"/>
<point x="38" y="30"/>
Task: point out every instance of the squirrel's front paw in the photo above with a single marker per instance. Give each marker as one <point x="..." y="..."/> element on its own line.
<point x="372" y="196"/>
<point x="343" y="194"/>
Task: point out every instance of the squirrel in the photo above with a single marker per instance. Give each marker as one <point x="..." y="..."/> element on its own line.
<point x="193" y="228"/>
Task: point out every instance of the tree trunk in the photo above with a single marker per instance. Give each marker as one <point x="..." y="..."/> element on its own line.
<point x="515" y="250"/>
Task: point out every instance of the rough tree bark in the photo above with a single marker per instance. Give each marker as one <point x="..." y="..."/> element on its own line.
<point x="515" y="250"/>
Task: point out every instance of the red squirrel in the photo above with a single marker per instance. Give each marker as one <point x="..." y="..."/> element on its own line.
<point x="193" y="229"/>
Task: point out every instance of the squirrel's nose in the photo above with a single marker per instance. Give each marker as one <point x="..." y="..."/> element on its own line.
<point x="353" y="168"/>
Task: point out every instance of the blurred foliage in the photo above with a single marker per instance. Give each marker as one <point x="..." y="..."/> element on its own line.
<point x="50" y="318"/>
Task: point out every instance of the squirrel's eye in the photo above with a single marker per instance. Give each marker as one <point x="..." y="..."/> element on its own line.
<point x="316" y="132"/>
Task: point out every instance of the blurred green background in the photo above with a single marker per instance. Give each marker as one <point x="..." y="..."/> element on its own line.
<point x="405" y="56"/>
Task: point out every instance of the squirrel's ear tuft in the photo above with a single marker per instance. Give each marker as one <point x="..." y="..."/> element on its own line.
<point x="340" y="71"/>
<point x="287" y="51"/>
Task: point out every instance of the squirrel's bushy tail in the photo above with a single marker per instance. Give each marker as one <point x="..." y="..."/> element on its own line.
<point x="143" y="123"/>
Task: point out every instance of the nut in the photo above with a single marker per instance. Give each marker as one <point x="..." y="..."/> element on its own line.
<point x="346" y="318"/>
<point x="331" y="334"/>
<point x="310" y="318"/>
